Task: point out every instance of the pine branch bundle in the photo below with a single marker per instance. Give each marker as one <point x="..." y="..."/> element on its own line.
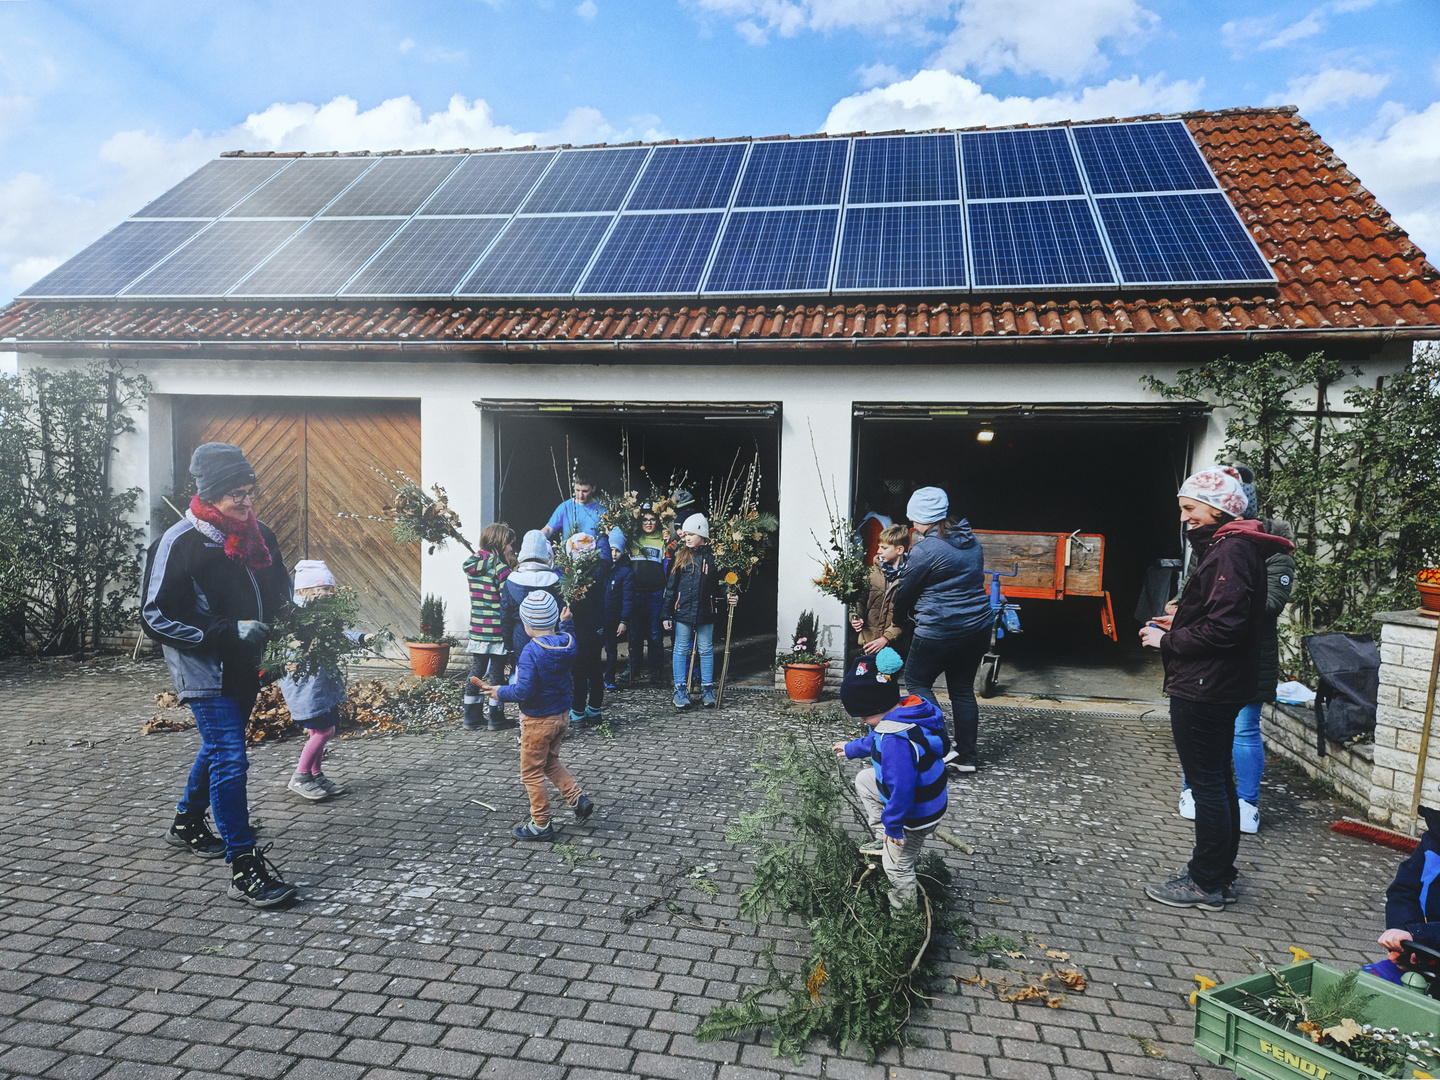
<point x="868" y="966"/>
<point x="308" y="638"/>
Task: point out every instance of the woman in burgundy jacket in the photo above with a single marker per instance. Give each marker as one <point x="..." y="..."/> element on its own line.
<point x="1211" y="651"/>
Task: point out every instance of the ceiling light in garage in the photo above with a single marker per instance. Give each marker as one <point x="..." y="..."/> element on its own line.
<point x="984" y="435"/>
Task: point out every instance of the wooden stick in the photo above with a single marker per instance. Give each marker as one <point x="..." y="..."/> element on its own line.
<point x="725" y="667"/>
<point x="1425" y="734"/>
<point x="954" y="841"/>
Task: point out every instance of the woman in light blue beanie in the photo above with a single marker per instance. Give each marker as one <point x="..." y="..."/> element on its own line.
<point x="941" y="589"/>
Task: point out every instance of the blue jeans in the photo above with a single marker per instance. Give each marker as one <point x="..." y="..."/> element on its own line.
<point x="217" y="779"/>
<point x="704" y="636"/>
<point x="1249" y="754"/>
<point x="647" y="633"/>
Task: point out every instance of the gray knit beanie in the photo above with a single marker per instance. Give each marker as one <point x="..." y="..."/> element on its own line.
<point x="539" y="611"/>
<point x="219" y="467"/>
<point x="928" y="505"/>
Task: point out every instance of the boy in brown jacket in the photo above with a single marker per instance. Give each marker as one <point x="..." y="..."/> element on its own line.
<point x="877" y="627"/>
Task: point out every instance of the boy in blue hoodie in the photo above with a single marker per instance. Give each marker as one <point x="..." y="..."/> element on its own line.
<point x="541" y="687"/>
<point x="903" y="792"/>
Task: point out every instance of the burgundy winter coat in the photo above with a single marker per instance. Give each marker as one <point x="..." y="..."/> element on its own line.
<point x="1212" y="652"/>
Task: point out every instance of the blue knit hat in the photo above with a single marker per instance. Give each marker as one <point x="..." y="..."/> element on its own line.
<point x="617" y="539"/>
<point x="539" y="611"/>
<point x="928" y="505"/>
<point x="872" y="685"/>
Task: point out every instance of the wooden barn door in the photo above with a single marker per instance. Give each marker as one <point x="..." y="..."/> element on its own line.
<point x="316" y="460"/>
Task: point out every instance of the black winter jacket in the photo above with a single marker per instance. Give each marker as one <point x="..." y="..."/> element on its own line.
<point x="1212" y="650"/>
<point x="941" y="588"/>
<point x="620" y="593"/>
<point x="1279" y="581"/>
<point x="1412" y="903"/>
<point x="692" y="593"/>
<point x="194" y="595"/>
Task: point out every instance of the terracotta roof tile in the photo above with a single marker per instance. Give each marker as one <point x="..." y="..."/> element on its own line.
<point x="1342" y="263"/>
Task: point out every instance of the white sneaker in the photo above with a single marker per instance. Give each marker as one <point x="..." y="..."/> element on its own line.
<point x="304" y="785"/>
<point x="1187" y="804"/>
<point x="1249" y="817"/>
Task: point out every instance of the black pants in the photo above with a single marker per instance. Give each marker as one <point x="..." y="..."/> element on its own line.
<point x="1205" y="739"/>
<point x="491" y="668"/>
<point x="587" y="678"/>
<point x="958" y="659"/>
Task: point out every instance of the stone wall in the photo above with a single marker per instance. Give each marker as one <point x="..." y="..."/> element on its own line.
<point x="1407" y="644"/>
<point x="1289" y="732"/>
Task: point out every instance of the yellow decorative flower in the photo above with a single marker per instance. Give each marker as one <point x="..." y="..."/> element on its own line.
<point x="732" y="578"/>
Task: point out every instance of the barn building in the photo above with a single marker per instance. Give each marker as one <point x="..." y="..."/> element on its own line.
<point x="974" y="309"/>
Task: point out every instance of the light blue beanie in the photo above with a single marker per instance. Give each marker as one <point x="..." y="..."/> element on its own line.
<point x="539" y="611"/>
<point x="928" y="505"/>
<point x="617" y="540"/>
<point x="535" y="548"/>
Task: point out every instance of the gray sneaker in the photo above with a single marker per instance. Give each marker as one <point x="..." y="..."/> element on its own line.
<point x="304" y="785"/>
<point x="681" y="698"/>
<point x="1183" y="892"/>
<point x="331" y="788"/>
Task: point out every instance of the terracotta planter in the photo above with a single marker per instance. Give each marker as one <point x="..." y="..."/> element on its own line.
<point x="427" y="660"/>
<point x="803" y="682"/>
<point x="1429" y="596"/>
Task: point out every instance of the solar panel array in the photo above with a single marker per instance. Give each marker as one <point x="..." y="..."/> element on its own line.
<point x="1118" y="205"/>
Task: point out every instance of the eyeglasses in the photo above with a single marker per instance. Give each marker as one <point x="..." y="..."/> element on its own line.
<point x="243" y="496"/>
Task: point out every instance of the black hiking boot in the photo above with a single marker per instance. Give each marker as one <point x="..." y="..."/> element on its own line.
<point x="254" y="880"/>
<point x="191" y="832"/>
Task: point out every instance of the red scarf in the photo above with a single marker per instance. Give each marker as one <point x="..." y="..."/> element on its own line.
<point x="243" y="542"/>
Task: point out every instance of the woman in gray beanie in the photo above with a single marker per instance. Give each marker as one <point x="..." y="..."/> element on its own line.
<point x="941" y="589"/>
<point x="212" y="583"/>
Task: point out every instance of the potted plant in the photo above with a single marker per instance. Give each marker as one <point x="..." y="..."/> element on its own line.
<point x="430" y="649"/>
<point x="1428" y="582"/>
<point x="805" y="663"/>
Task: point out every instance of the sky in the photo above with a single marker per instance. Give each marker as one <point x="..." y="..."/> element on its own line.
<point x="104" y="105"/>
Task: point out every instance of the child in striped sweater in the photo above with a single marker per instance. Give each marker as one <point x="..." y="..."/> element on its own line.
<point x="486" y="571"/>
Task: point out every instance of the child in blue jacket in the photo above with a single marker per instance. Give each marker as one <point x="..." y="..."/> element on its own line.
<point x="541" y="687"/>
<point x="904" y="791"/>
<point x="1412" y="903"/>
<point x="619" y="604"/>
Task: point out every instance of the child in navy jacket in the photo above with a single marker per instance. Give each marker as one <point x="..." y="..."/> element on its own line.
<point x="904" y="791"/>
<point x="1412" y="903"/>
<point x="541" y="687"/>
<point x="619" y="604"/>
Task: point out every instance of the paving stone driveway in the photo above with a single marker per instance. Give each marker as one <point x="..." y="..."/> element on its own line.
<point x="431" y="944"/>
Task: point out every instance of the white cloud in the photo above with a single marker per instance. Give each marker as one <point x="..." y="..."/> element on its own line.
<point x="1400" y="163"/>
<point x="1244" y="35"/>
<point x="1299" y="30"/>
<point x="1334" y="86"/>
<point x="587" y="10"/>
<point x="788" y="17"/>
<point x="878" y="75"/>
<point x="1059" y="39"/>
<point x="942" y="99"/>
<point x="752" y="34"/>
<point x="407" y="45"/>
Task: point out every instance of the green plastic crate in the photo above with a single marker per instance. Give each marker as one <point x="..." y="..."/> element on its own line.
<point x="1227" y="1035"/>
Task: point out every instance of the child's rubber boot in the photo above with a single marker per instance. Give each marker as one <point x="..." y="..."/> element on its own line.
<point x="474" y="715"/>
<point x="495" y="718"/>
<point x="190" y="832"/>
<point x="528" y="830"/>
<point x="707" y="697"/>
<point x="254" y="880"/>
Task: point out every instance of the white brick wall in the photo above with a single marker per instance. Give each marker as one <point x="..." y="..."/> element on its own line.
<point x="1407" y="644"/>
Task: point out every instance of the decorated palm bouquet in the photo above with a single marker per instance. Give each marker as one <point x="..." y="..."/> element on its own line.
<point x="740" y="535"/>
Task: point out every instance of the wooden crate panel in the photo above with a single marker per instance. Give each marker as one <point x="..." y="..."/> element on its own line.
<point x="1034" y="552"/>
<point x="1083" y="576"/>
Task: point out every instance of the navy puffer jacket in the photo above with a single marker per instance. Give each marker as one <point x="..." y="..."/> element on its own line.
<point x="942" y="587"/>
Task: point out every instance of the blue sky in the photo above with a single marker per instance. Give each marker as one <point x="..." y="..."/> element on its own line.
<point x="105" y="105"/>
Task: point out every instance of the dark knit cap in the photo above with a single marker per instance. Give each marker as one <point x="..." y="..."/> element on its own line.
<point x="872" y="685"/>
<point x="219" y="467"/>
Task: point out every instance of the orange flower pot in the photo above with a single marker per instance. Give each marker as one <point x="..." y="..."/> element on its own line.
<point x="1429" y="596"/>
<point x="427" y="660"/>
<point x="803" y="682"/>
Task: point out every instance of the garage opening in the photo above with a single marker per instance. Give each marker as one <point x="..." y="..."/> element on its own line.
<point x="698" y="441"/>
<point x="1106" y="471"/>
<point x="316" y="459"/>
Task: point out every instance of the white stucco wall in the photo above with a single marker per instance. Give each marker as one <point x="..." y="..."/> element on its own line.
<point x="457" y="445"/>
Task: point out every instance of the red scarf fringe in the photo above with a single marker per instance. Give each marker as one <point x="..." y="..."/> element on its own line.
<point x="243" y="542"/>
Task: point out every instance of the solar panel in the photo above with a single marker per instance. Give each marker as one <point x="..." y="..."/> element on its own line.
<point x="688" y="177"/>
<point x="1121" y="158"/>
<point x="904" y="169"/>
<point x="215" y="260"/>
<point x="304" y="188"/>
<point x="1180" y="238"/>
<point x="1023" y="164"/>
<point x="654" y="253"/>
<point x="1049" y="242"/>
<point x="807" y="172"/>
<point x="116" y="259"/>
<point x="902" y="247"/>
<point x="774" y="251"/>
<point x="540" y="256"/>
<point x="585" y="180"/>
<point x="394" y="186"/>
<point x="217" y="186"/>
<point x="320" y="258"/>
<point x="426" y="258"/>
<point x="490" y="183"/>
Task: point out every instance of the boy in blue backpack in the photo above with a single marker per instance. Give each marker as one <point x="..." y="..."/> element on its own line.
<point x="619" y="605"/>
<point x="904" y="791"/>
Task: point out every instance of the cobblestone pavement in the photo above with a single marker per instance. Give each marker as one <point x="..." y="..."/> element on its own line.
<point x="431" y="944"/>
